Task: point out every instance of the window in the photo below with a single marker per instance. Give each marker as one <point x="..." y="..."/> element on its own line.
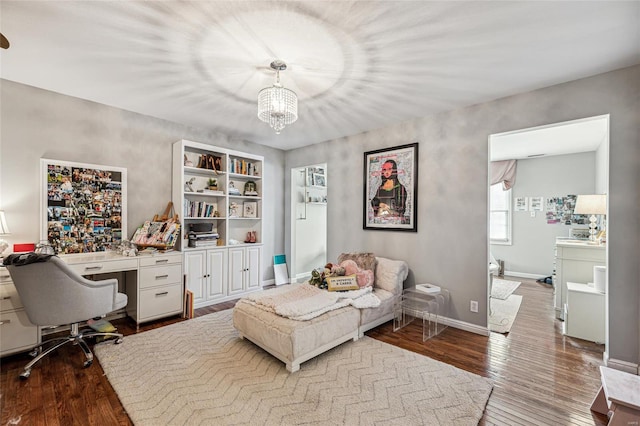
<point x="499" y="215"/>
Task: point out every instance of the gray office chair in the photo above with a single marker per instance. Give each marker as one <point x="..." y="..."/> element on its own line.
<point x="53" y="294"/>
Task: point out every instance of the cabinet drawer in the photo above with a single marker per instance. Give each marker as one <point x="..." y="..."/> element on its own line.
<point x="103" y="267"/>
<point x="17" y="332"/>
<point x="9" y="298"/>
<point x="161" y="260"/>
<point x="160" y="275"/>
<point x="582" y="253"/>
<point x="159" y="301"/>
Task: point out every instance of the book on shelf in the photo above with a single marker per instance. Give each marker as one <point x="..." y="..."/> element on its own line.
<point x="243" y="167"/>
<point x="212" y="192"/>
<point x="199" y="209"/>
<point x="204" y="235"/>
<point x="206" y="243"/>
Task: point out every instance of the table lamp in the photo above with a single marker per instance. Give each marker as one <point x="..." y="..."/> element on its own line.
<point x="4" y="230"/>
<point x="593" y="205"/>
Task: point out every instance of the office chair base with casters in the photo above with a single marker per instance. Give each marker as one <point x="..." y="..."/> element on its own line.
<point x="53" y="294"/>
<point x="75" y="337"/>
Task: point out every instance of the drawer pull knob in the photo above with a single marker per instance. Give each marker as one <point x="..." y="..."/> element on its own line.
<point x="3" y="322"/>
<point x="164" y="293"/>
<point x="162" y="261"/>
<point x="92" y="268"/>
<point x="6" y="298"/>
<point x="161" y="276"/>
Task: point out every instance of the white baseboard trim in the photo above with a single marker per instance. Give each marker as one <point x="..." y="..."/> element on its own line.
<point x="472" y="328"/>
<point x="524" y="275"/>
<point x="303" y="277"/>
<point x="628" y="367"/>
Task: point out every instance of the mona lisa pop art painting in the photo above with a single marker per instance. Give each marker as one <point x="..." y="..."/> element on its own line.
<point x="390" y="189"/>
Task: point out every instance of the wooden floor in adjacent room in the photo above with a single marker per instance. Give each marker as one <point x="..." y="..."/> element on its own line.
<point x="540" y="376"/>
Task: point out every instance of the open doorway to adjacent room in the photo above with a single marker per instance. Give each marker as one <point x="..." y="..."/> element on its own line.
<point x="309" y="220"/>
<point x="530" y="223"/>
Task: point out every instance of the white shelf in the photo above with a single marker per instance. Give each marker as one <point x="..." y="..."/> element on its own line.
<point x="241" y="176"/>
<point x="203" y="218"/>
<point x="202" y="194"/>
<point x="245" y="218"/>
<point x="228" y="229"/>
<point x="204" y="172"/>
<point x="245" y="197"/>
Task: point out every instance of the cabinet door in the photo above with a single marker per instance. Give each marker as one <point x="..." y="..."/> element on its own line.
<point x="236" y="270"/>
<point x="217" y="271"/>
<point x="195" y="268"/>
<point x="254" y="267"/>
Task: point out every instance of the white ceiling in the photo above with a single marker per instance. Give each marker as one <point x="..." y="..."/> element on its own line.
<point x="356" y="65"/>
<point x="571" y="137"/>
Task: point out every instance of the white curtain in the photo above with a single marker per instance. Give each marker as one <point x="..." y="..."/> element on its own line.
<point x="505" y="172"/>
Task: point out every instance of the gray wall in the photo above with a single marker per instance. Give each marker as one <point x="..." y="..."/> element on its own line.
<point x="450" y="248"/>
<point x="532" y="251"/>
<point x="40" y="124"/>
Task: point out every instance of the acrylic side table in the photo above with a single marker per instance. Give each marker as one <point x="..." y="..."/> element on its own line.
<point x="430" y="307"/>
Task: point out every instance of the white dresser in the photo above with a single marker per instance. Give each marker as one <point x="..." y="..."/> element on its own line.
<point x="574" y="263"/>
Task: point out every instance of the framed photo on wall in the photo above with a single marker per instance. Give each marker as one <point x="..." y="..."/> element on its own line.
<point x="391" y="189"/>
<point x="83" y="206"/>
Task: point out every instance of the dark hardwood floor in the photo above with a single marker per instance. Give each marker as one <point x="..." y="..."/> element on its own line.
<point x="540" y="376"/>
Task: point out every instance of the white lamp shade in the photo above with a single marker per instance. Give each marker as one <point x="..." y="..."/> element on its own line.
<point x="591" y="204"/>
<point x="4" y="228"/>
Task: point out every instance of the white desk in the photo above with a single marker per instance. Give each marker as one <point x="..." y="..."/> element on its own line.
<point x="153" y="284"/>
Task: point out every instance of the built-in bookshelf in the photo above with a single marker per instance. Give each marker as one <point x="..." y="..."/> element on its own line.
<point x="217" y="193"/>
<point x="232" y="206"/>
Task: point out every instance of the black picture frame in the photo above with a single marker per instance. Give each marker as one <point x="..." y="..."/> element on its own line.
<point x="391" y="206"/>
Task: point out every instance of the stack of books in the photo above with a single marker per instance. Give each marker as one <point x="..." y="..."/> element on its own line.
<point x="212" y="192"/>
<point x="203" y="239"/>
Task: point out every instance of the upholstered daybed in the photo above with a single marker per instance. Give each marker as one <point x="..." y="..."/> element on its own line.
<point x="294" y="342"/>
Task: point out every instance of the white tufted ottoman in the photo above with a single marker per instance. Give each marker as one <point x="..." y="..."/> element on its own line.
<point x="294" y="342"/>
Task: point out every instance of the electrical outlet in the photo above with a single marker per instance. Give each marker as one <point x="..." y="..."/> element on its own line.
<point x="473" y="306"/>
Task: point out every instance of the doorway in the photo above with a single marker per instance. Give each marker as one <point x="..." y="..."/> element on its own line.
<point x="554" y="162"/>
<point x="309" y="186"/>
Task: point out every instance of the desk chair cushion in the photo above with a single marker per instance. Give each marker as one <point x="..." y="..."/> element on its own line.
<point x="54" y="294"/>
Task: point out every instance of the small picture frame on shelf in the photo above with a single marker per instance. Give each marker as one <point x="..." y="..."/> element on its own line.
<point x="318" y="180"/>
<point x="250" y="209"/>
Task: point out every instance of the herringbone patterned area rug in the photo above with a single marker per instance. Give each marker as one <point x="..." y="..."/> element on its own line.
<point x="199" y="372"/>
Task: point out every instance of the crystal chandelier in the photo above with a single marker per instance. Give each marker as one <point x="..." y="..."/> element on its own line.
<point x="276" y="105"/>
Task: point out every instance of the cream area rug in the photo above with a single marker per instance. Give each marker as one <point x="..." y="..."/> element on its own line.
<point x="198" y="372"/>
<point x="503" y="313"/>
<point x="502" y="289"/>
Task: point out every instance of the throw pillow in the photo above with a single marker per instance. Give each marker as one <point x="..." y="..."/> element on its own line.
<point x="364" y="277"/>
<point x="365" y="261"/>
